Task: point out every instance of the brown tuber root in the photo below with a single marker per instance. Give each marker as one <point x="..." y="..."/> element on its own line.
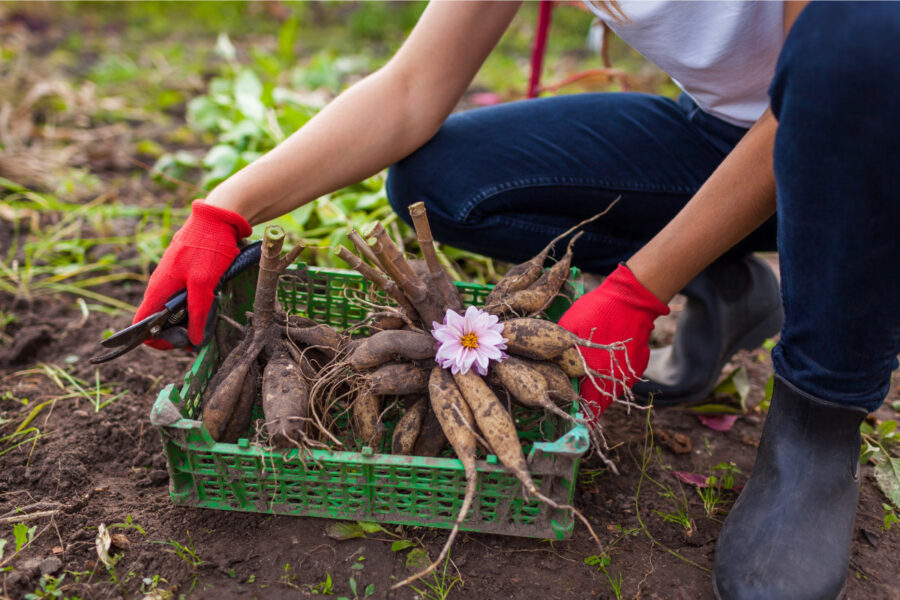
<point x="408" y="428"/>
<point x="397" y="379"/>
<point x="323" y="337"/>
<point x="385" y="322"/>
<point x="383" y="346"/>
<point x="239" y="423"/>
<point x="559" y="385"/>
<point x="496" y="425"/>
<point x="456" y="420"/>
<point x="540" y="294"/>
<point x="224" y="393"/>
<point x="526" y="385"/>
<point x="571" y="363"/>
<point x="366" y="412"/>
<point x="431" y="440"/>
<point x="523" y="275"/>
<point x="542" y="340"/>
<point x="285" y="402"/>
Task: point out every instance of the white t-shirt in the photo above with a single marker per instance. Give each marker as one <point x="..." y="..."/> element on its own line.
<point x="722" y="54"/>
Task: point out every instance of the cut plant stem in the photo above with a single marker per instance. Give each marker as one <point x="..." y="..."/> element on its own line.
<point x="363" y="247"/>
<point x="391" y="251"/>
<point x="267" y="282"/>
<point x="386" y="285"/>
<point x="416" y="292"/>
<point x="439" y="278"/>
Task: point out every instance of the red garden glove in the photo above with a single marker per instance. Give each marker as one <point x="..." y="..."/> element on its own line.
<point x="200" y="253"/>
<point x="620" y="310"/>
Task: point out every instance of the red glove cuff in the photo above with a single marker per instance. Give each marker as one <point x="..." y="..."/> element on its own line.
<point x="208" y="212"/>
<point x="622" y="284"/>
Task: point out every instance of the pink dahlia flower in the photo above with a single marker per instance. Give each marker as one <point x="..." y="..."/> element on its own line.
<point x="469" y="341"/>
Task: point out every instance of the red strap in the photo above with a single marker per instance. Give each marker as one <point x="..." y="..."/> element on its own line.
<point x="545" y="11"/>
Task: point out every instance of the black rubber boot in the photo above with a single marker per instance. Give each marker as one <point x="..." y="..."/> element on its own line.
<point x="733" y="304"/>
<point x="788" y="535"/>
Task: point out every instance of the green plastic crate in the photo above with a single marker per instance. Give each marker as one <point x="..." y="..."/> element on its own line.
<point x="362" y="486"/>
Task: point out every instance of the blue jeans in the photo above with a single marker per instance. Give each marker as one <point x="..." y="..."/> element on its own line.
<point x="504" y="180"/>
<point x="836" y="94"/>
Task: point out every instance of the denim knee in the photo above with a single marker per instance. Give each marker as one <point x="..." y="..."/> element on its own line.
<point x="840" y="52"/>
<point x="400" y="188"/>
<point x="427" y="175"/>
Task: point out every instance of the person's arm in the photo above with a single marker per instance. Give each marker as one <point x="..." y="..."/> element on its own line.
<point x="736" y="199"/>
<point x="378" y="121"/>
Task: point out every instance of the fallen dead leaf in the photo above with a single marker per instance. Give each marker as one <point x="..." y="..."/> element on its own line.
<point x="120" y="541"/>
<point x="678" y="443"/>
<point x="103" y="542"/>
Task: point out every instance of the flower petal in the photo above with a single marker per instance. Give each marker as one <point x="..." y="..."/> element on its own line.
<point x="455" y="321"/>
<point x="491" y="352"/>
<point x="481" y="363"/>
<point x="444" y="335"/>
<point x="490" y="338"/>
<point x="489" y="320"/>
<point x="449" y="351"/>
<point x="472" y="313"/>
<point x="468" y="358"/>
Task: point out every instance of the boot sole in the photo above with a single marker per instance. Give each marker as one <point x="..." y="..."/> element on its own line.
<point x="718" y="596"/>
<point x="752" y="339"/>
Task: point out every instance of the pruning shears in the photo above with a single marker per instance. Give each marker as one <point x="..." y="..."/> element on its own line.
<point x="168" y="322"/>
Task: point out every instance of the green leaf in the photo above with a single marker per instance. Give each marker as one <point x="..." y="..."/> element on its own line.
<point x="221" y="161"/>
<point x="287" y="37"/>
<point x="369" y="591"/>
<point x="767" y="395"/>
<point x="302" y="214"/>
<point x="402" y="545"/>
<point x="417" y="558"/>
<point x="353" y="586"/>
<point x="203" y="113"/>
<point x="20" y="532"/>
<point x="887" y="475"/>
<point x="370" y="527"/>
<point x="247" y="95"/>
<point x="225" y="48"/>
<point x="886" y="428"/>
<point x="890" y="517"/>
<point x="242" y="133"/>
<point x="341" y="531"/>
<point x="220" y="90"/>
<point x="736" y="385"/>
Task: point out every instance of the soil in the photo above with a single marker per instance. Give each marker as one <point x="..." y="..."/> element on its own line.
<point x="92" y="467"/>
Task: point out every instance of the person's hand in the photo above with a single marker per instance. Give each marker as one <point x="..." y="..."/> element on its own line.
<point x="200" y="252"/>
<point x="619" y="310"/>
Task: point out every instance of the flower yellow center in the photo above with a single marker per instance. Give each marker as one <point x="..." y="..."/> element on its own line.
<point x="470" y="340"/>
